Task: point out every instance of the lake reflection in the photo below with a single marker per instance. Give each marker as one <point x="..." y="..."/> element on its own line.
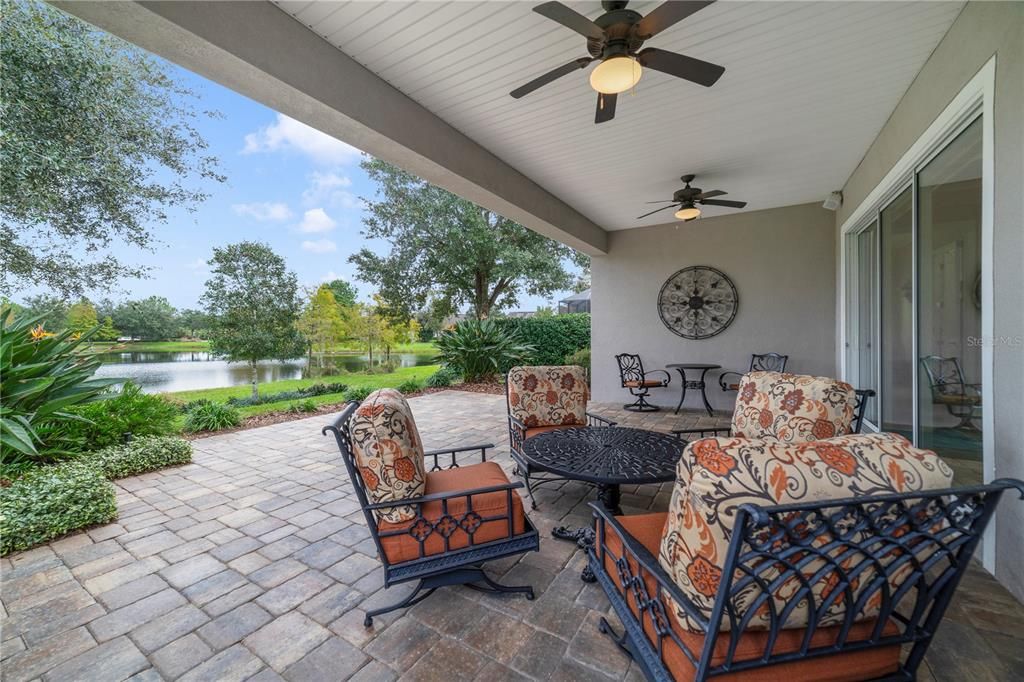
<point x="159" y="372"/>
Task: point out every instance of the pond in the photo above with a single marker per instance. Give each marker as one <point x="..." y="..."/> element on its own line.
<point x="159" y="372"/>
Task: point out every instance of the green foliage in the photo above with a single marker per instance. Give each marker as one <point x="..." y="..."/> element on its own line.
<point x="447" y="248"/>
<point x="321" y="322"/>
<point x="42" y="376"/>
<point x="252" y="299"/>
<point x="210" y="416"/>
<point x="115" y="418"/>
<point x="49" y="501"/>
<point x="344" y="293"/>
<point x="107" y="332"/>
<point x="193" y="323"/>
<point x="307" y="392"/>
<point x="410" y="386"/>
<point x="302" y="407"/>
<point x="552" y="338"/>
<point x="82" y="317"/>
<point x="150" y="319"/>
<point x="52" y="310"/>
<point x="98" y="145"/>
<point x="358" y="393"/>
<point x="581" y="358"/>
<point x="446" y="376"/>
<point x="141" y="455"/>
<point x="480" y="349"/>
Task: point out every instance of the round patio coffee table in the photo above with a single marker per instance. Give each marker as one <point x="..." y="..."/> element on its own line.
<point x="608" y="457"/>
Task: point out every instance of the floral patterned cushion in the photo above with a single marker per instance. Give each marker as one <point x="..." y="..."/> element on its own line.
<point x="792" y="408"/>
<point x="716" y="475"/>
<point x="388" y="452"/>
<point x="548" y="396"/>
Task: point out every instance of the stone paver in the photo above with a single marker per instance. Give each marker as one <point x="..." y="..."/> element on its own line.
<point x="254" y="563"/>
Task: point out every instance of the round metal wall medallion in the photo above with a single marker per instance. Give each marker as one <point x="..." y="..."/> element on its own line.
<point x="698" y="302"/>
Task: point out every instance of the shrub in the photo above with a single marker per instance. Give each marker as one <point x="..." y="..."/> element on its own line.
<point x="553" y="338"/>
<point x="115" y="418"/>
<point x="446" y="376"/>
<point x="358" y="394"/>
<point x="308" y="391"/>
<point x="141" y="455"/>
<point x="581" y="358"/>
<point x="49" y="501"/>
<point x="302" y="407"/>
<point x="42" y="375"/>
<point x="210" y="416"/>
<point x="409" y="386"/>
<point x="480" y="349"/>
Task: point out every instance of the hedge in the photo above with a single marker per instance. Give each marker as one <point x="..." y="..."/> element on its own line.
<point x="49" y="501"/>
<point x="142" y="455"/>
<point x="553" y="338"/>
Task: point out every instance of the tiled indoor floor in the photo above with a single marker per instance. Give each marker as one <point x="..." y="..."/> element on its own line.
<point x="254" y="563"/>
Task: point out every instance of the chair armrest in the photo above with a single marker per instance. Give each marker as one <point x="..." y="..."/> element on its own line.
<point x="454" y="451"/>
<point x="599" y="418"/>
<point x="646" y="561"/>
<point x="723" y="384"/>
<point x="668" y="377"/>
<point x="702" y="433"/>
<point x="437" y="497"/>
<point x="516" y="434"/>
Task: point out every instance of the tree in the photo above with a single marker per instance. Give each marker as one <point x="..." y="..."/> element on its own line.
<point x="450" y="248"/>
<point x="82" y="317"/>
<point x="97" y="145"/>
<point x="321" y="322"/>
<point x="53" y="309"/>
<point x="344" y="292"/>
<point x="193" y="322"/>
<point x="252" y="300"/>
<point x="151" y="319"/>
<point x="366" y="326"/>
<point x="107" y="332"/>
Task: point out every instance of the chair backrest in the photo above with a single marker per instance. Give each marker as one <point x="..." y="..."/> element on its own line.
<point x="768" y="362"/>
<point x="860" y="409"/>
<point x="550" y="395"/>
<point x="793" y="408"/>
<point x="631" y="367"/>
<point x="945" y="375"/>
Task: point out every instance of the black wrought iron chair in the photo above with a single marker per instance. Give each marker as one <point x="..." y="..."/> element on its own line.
<point x="759" y="362"/>
<point x="468" y="515"/>
<point x="635" y="379"/>
<point x="950" y="389"/>
<point x="530" y="412"/>
<point x="901" y="554"/>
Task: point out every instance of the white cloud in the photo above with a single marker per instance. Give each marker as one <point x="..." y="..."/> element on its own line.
<point x="316" y="220"/>
<point x="329" y="188"/>
<point x="287" y="134"/>
<point x="198" y="265"/>
<point x="319" y="246"/>
<point x="263" y="211"/>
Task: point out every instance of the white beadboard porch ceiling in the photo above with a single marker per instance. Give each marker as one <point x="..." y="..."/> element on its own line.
<point x="807" y="87"/>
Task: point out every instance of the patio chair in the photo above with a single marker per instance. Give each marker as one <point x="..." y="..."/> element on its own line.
<point x="950" y="389"/>
<point x="637" y="381"/>
<point x="790" y="407"/>
<point x="438" y="526"/>
<point x="759" y="362"/>
<point x="781" y="561"/>
<point x="541" y="399"/>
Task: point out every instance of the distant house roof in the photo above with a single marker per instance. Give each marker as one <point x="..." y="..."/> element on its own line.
<point x="582" y="296"/>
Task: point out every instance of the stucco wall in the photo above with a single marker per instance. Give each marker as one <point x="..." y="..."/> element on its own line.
<point x="782" y="262"/>
<point x="983" y="29"/>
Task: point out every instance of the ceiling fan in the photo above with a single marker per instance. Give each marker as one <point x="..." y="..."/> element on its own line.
<point x="687" y="199"/>
<point x="615" y="39"/>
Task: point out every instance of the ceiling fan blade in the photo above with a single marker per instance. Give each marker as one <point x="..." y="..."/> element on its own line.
<point x="712" y="193"/>
<point x="723" y="202"/>
<point x="681" y="66"/>
<point x="552" y="75"/>
<point x="663" y="201"/>
<point x="570" y="18"/>
<point x="605" y="107"/>
<point x="666" y="15"/>
<point x="656" y="210"/>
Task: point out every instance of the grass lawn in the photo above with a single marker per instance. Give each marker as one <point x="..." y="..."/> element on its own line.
<point x="152" y="346"/>
<point x="419" y="348"/>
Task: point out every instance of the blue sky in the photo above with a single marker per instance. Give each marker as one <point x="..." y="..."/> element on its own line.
<point x="288" y="185"/>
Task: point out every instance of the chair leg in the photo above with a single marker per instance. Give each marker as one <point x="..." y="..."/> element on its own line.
<point x="523" y="472"/>
<point x="496" y="587"/>
<point x="410" y="600"/>
<point x="641" y="404"/>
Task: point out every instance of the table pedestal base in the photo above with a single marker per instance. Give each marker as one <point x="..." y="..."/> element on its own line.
<point x="586" y="537"/>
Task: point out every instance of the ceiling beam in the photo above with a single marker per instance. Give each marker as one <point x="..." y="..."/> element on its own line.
<point x="256" y="49"/>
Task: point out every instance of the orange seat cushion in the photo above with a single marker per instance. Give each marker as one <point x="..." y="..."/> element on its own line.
<point x="869" y="664"/>
<point x="646" y="383"/>
<point x="405" y="547"/>
<point x="537" y="430"/>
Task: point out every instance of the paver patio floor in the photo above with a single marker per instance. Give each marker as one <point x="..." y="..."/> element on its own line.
<point x="254" y="563"/>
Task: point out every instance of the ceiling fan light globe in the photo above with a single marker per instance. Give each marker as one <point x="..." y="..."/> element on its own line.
<point x="688" y="213"/>
<point x="616" y="74"/>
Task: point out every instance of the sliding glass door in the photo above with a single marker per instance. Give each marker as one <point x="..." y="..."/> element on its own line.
<point x="913" y="306"/>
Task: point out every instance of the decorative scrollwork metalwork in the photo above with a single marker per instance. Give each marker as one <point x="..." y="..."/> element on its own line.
<point x="698" y="302"/>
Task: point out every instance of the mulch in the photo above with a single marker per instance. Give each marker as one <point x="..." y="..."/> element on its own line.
<point x="269" y="418"/>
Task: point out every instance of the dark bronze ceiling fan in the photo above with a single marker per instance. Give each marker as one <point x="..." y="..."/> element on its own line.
<point x="687" y="199"/>
<point x="614" y="39"/>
